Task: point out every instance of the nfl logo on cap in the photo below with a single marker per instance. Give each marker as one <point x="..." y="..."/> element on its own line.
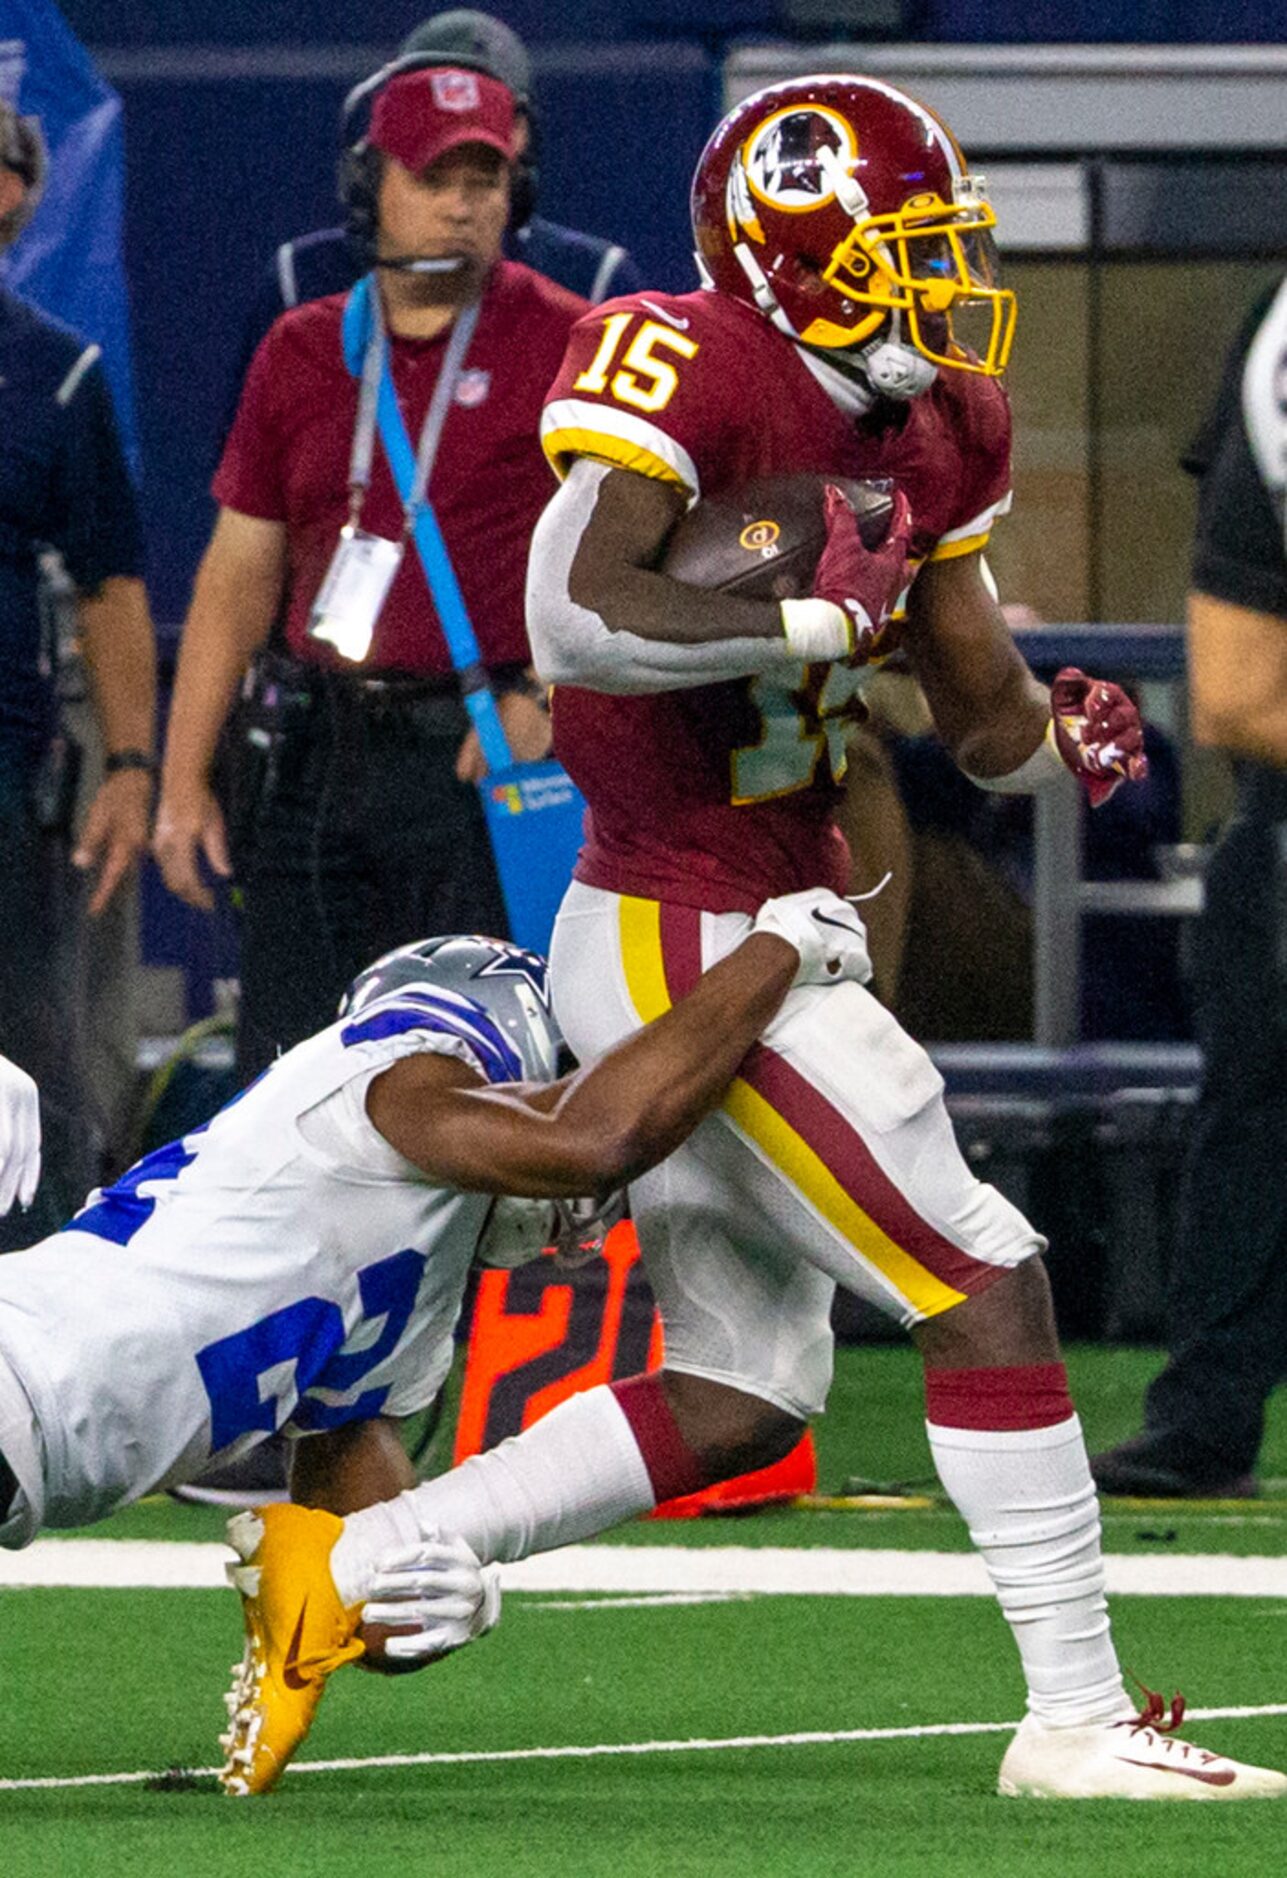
<point x="455" y="91"/>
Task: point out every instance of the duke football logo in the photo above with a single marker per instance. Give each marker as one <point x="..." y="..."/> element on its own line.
<point x="781" y="157"/>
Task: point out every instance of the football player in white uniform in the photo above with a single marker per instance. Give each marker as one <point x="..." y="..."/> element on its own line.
<point x="19" y="1137"/>
<point x="297" y="1265"/>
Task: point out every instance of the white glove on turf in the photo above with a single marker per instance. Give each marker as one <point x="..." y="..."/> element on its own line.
<point x="19" y="1136"/>
<point x="825" y="930"/>
<point x="439" y="1586"/>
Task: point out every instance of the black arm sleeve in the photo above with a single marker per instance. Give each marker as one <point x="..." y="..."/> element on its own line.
<point x="1238" y="552"/>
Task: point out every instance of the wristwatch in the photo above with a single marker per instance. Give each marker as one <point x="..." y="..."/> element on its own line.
<point x="117" y="760"/>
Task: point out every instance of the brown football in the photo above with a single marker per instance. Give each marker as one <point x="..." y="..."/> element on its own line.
<point x="375" y="1636"/>
<point x="763" y="539"/>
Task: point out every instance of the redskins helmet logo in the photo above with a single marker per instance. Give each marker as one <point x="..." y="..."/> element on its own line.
<point x="783" y="158"/>
<point x="760" y="538"/>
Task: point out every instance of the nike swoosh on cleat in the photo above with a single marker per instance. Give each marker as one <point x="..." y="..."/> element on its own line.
<point x="1188" y="1773"/>
<point x="839" y="924"/>
<point x="290" y="1673"/>
<point x="671" y="319"/>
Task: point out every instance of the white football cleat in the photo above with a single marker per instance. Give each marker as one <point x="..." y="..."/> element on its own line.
<point x="1135" y="1758"/>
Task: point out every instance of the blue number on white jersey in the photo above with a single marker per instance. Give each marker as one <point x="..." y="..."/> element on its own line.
<point x="307" y="1336"/>
<point x="121" y="1209"/>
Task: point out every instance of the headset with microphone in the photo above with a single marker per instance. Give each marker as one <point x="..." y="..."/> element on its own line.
<point x="359" y="172"/>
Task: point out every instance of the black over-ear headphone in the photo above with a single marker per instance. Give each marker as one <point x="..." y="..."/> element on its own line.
<point x="359" y="171"/>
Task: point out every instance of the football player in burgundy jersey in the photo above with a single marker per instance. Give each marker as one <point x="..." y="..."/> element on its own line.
<point x="850" y="323"/>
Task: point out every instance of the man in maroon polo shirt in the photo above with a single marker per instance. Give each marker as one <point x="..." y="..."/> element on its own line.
<point x="360" y="825"/>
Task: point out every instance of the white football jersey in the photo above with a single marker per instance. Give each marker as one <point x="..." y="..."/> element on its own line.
<point x="282" y="1268"/>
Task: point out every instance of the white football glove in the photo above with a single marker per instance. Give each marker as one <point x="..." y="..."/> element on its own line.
<point x="19" y="1136"/>
<point x="825" y="930"/>
<point x="440" y="1587"/>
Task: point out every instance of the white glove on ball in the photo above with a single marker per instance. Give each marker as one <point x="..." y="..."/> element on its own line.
<point x="825" y="930"/>
<point x="440" y="1587"/>
<point x="19" y="1136"/>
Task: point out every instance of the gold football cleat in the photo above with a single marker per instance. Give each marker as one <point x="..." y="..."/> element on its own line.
<point x="297" y="1633"/>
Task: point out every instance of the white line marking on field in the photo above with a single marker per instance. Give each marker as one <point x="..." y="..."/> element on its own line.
<point x="650" y="1570"/>
<point x="825" y="1571"/>
<point x="607" y="1749"/>
<point x="660" y="1598"/>
<point x="116" y="1565"/>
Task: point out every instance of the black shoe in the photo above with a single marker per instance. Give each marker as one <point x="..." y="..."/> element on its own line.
<point x="257" y="1479"/>
<point x="1146" y="1468"/>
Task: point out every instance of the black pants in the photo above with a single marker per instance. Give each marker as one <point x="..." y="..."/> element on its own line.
<point x="1228" y="1287"/>
<point x="356" y="837"/>
<point x="42" y="1001"/>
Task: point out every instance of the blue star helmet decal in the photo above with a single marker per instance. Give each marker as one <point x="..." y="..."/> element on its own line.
<point x="508" y="961"/>
<point x="493" y="996"/>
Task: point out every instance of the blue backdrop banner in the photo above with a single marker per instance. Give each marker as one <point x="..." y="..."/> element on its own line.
<point x="68" y="261"/>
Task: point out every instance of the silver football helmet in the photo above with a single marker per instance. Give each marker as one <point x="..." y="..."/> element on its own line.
<point x="492" y="995"/>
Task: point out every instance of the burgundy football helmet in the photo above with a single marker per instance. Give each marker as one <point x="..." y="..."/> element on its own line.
<point x="842" y="209"/>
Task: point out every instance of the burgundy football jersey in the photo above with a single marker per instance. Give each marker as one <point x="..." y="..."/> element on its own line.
<point x="723" y="795"/>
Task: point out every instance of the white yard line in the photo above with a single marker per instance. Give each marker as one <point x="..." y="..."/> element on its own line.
<point x="647" y="1601"/>
<point x="603" y="1750"/>
<point x="652" y="1570"/>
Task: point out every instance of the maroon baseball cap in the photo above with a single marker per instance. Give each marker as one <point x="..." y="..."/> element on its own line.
<point x="419" y="116"/>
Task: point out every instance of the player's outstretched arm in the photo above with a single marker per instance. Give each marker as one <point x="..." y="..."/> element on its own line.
<point x="1006" y="730"/>
<point x="597" y="1129"/>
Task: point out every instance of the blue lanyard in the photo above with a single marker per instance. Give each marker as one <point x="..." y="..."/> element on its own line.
<point x="365" y="347"/>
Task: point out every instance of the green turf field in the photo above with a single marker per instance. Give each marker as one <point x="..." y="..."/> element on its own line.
<point x="595" y="1735"/>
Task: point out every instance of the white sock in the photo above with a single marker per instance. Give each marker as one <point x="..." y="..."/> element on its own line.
<point x="1029" y="1502"/>
<point x="572" y="1474"/>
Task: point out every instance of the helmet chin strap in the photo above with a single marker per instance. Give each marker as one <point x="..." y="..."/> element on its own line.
<point x="847" y="385"/>
<point x="765" y="298"/>
<point x="884" y="369"/>
<point x="896" y="370"/>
